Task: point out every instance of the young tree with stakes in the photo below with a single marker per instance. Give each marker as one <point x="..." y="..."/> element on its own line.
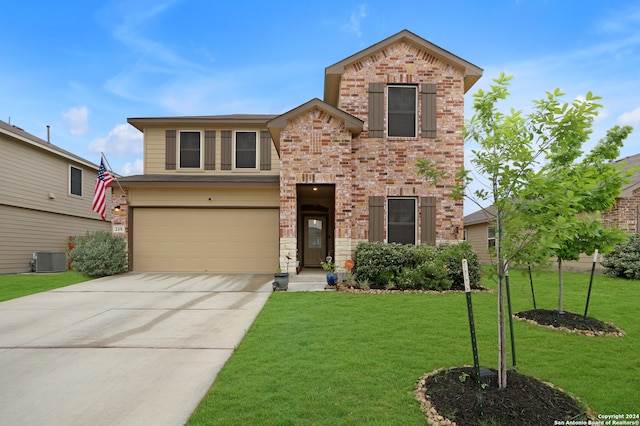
<point x="528" y="165"/>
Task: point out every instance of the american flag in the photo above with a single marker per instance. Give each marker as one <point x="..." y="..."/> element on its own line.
<point x="103" y="182"/>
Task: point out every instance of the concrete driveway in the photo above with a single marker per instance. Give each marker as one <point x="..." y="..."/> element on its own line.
<point x="134" y="349"/>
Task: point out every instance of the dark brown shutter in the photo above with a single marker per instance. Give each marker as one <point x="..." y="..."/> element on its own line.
<point x="226" y="149"/>
<point x="428" y="231"/>
<point x="170" y="150"/>
<point x="376" y="110"/>
<point x="428" y="110"/>
<point x="265" y="150"/>
<point x="209" y="149"/>
<point x="376" y="219"/>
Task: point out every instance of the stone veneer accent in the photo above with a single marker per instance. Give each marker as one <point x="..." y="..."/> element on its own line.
<point x="316" y="148"/>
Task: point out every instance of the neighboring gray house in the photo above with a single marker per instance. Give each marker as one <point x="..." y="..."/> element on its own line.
<point x="45" y="197"/>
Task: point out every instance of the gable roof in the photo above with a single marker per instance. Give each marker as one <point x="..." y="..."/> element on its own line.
<point x="485" y="215"/>
<point x="280" y="122"/>
<point x="634" y="181"/>
<point x="19" y="134"/>
<point x="333" y="73"/>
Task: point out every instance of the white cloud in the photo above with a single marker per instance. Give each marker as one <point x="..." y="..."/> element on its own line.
<point x="135" y="168"/>
<point x="356" y="18"/>
<point x="631" y="118"/>
<point x="77" y="120"/>
<point x="121" y="141"/>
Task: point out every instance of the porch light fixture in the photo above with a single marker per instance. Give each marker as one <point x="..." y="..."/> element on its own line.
<point x="116" y="208"/>
<point x="315" y="188"/>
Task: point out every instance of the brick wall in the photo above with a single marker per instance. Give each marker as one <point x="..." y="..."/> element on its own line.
<point x="625" y="214"/>
<point x="388" y="166"/>
<point x="316" y="148"/>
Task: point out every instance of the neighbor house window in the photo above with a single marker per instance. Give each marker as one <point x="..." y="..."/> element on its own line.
<point x="246" y="150"/>
<point x="401" y="220"/>
<point x="491" y="237"/>
<point x="75" y="181"/>
<point x="402" y="107"/>
<point x="190" y="150"/>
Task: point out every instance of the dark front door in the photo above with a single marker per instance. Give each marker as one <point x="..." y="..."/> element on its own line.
<point x="315" y="240"/>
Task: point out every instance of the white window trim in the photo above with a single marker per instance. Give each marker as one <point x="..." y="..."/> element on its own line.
<point x="178" y="144"/>
<point x="233" y="148"/>
<point x="489" y="239"/>
<point x="386" y="112"/>
<point x="81" y="182"/>
<point x="415" y="215"/>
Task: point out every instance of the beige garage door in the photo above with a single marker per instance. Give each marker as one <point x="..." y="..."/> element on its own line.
<point x="205" y="240"/>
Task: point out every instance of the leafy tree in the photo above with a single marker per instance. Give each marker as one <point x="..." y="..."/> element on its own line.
<point x="565" y="198"/>
<point x="542" y="196"/>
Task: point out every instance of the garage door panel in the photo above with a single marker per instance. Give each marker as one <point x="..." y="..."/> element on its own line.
<point x="212" y="240"/>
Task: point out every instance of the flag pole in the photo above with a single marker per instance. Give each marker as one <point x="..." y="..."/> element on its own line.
<point x="115" y="177"/>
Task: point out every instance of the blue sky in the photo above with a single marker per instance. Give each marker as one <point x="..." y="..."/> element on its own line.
<point x="85" y="67"/>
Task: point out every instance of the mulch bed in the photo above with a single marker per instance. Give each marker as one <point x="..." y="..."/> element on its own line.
<point x="568" y="321"/>
<point x="449" y="397"/>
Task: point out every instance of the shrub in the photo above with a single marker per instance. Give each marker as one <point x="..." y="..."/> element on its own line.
<point x="416" y="267"/>
<point x="624" y="259"/>
<point x="452" y="255"/>
<point x="98" y="255"/>
<point x="379" y="261"/>
<point x="430" y="275"/>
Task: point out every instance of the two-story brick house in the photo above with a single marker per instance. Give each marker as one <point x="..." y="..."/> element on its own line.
<point x="240" y="193"/>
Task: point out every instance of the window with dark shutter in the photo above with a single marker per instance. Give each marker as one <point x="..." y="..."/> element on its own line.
<point x="376" y="218"/>
<point x="265" y="150"/>
<point x="226" y="140"/>
<point x="376" y="110"/>
<point x="209" y="149"/>
<point x="428" y="120"/>
<point x="246" y="150"/>
<point x="401" y="111"/>
<point x="428" y="210"/>
<point x="401" y="220"/>
<point x="170" y="150"/>
<point x="190" y="152"/>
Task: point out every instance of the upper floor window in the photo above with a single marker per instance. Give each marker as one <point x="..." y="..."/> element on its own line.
<point x="246" y="150"/>
<point x="491" y="237"/>
<point x="402" y="107"/>
<point x="75" y="181"/>
<point x="401" y="220"/>
<point x="190" y="150"/>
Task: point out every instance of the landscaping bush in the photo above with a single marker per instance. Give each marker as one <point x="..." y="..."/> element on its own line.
<point x="416" y="267"/>
<point x="624" y="260"/>
<point x="98" y="255"/>
<point x="432" y="275"/>
<point x="376" y="262"/>
<point x="452" y="255"/>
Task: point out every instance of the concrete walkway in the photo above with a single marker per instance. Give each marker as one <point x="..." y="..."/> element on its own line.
<point x="135" y="349"/>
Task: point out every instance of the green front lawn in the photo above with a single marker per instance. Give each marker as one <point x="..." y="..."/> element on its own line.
<point x="17" y="285"/>
<point x="334" y="358"/>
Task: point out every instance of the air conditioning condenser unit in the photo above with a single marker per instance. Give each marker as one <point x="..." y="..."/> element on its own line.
<point x="50" y="261"/>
